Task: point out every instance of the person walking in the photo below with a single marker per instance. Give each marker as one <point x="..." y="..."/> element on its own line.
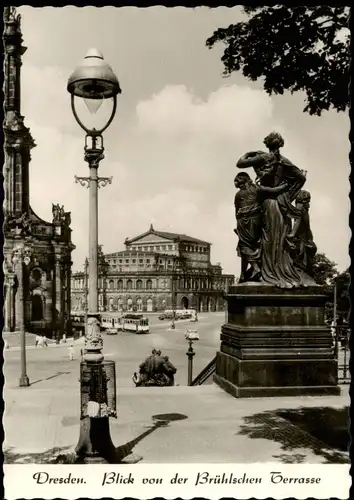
<point x="71" y="352"/>
<point x="38" y="340"/>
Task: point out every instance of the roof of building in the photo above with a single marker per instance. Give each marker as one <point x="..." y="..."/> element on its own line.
<point x="130" y="253"/>
<point x="168" y="236"/>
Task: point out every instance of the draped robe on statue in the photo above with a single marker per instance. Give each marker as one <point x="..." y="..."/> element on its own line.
<point x="277" y="266"/>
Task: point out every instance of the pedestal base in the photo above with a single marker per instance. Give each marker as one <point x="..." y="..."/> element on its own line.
<point x="24" y="381"/>
<point x="275" y="343"/>
<point x="265" y="378"/>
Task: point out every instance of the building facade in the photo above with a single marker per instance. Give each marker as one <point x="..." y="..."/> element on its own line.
<point x="37" y="253"/>
<point x="156" y="271"/>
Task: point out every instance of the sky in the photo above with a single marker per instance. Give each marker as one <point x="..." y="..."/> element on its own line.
<point x="179" y="130"/>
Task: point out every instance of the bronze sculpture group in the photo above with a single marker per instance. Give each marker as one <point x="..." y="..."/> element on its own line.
<point x="156" y="370"/>
<point x="275" y="240"/>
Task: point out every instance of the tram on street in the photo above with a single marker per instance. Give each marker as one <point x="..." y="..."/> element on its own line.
<point x="78" y="324"/>
<point x="136" y="323"/>
<point x="112" y="325"/>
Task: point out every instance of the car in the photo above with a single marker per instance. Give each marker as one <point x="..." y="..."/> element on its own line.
<point x="162" y="317"/>
<point x="111" y="331"/>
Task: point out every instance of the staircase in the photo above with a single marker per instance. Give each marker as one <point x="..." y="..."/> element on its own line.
<point x="205" y="374"/>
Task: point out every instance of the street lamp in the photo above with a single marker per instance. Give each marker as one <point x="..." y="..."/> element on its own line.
<point x="94" y="81"/>
<point x="191" y="336"/>
<point x="21" y="258"/>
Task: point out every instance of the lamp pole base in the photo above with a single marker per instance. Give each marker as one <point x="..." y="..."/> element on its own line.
<point x="24" y="381"/>
<point x="95" y="440"/>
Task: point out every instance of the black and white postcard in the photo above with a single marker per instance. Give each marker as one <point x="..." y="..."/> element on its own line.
<point x="176" y="252"/>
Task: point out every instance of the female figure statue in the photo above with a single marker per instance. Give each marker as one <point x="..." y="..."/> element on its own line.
<point x="249" y="218"/>
<point x="304" y="246"/>
<point x="273" y="170"/>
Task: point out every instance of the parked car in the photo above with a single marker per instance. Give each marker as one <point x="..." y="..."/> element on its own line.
<point x="167" y="316"/>
<point x="111" y="331"/>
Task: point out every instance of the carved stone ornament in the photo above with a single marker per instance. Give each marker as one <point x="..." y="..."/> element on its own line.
<point x="21" y="252"/>
<point x="93" y="338"/>
<point x="19" y="226"/>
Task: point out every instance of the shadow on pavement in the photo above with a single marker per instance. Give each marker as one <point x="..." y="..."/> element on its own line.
<point x="123" y="453"/>
<point x="323" y="430"/>
<point x="162" y="420"/>
<point x="48" y="378"/>
<point x="45" y="457"/>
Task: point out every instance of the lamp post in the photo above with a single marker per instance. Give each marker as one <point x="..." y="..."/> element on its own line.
<point x="191" y="336"/>
<point x="21" y="258"/>
<point x="173" y="326"/>
<point x="86" y="264"/>
<point x="94" y="81"/>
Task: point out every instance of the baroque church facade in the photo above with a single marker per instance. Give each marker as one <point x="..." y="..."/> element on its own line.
<point x="156" y="271"/>
<point x="37" y="253"/>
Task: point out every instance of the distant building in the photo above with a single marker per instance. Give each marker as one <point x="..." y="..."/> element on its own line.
<point x="157" y="270"/>
<point x="37" y="253"/>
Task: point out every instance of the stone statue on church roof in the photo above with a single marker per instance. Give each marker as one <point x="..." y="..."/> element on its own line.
<point x="58" y="213"/>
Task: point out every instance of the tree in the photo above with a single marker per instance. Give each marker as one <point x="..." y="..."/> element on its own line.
<point x="324" y="271"/>
<point x="292" y="49"/>
<point x="342" y="282"/>
<point x="326" y="274"/>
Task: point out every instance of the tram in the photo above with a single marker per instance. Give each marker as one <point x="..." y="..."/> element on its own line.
<point x="111" y="325"/>
<point x="78" y="324"/>
<point x="136" y="323"/>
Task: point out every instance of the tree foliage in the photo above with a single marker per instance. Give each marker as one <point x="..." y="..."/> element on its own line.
<point x="326" y="274"/>
<point x="292" y="49"/>
<point x="324" y="270"/>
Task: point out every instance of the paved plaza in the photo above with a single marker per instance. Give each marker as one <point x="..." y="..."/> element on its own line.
<point x="201" y="424"/>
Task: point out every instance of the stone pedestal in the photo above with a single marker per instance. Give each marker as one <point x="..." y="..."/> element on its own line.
<point x="275" y="343"/>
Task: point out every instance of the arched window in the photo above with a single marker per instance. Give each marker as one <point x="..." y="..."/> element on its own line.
<point x="120" y="304"/>
<point x="120" y="284"/>
<point x="149" y="306"/>
<point x="139" y="304"/>
<point x="130" y="304"/>
<point x="149" y="284"/>
<point x="129" y="284"/>
<point x="139" y="286"/>
<point x="111" y="284"/>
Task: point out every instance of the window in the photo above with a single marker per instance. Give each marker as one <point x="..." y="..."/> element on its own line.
<point x="170" y="247"/>
<point x="114" y="261"/>
<point x="120" y="261"/>
<point x="141" y="261"/>
<point x="127" y="261"/>
<point x="111" y="284"/>
<point x="163" y="247"/>
<point x="133" y="261"/>
<point x="148" y="261"/>
<point x="129" y="284"/>
<point x="139" y="285"/>
<point x="149" y="284"/>
<point x="145" y="249"/>
<point x="168" y="262"/>
<point x="157" y="247"/>
<point x="151" y="249"/>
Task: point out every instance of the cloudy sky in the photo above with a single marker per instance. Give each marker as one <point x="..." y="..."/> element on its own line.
<point x="179" y="129"/>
